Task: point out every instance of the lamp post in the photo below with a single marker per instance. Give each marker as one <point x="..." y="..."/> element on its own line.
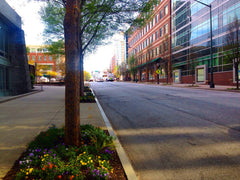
<point x="211" y="52"/>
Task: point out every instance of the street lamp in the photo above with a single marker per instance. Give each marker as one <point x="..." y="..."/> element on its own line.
<point x="211" y="52"/>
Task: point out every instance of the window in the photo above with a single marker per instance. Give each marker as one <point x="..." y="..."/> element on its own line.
<point x="147" y="28"/>
<point x="157" y="18"/>
<point x="166" y="28"/>
<point x="157" y="34"/>
<point x="166" y="47"/>
<point x="161" y="32"/>
<point x="33" y="58"/>
<point x="161" y="49"/>
<point x="39" y="58"/>
<point x="161" y="14"/>
<point x="200" y="75"/>
<point x="150" y="39"/>
<point x="166" y="9"/>
<point x="157" y="51"/>
<point x="150" y="25"/>
<point x="153" y="37"/>
<point x="45" y="58"/>
<point x="50" y="58"/>
<point x="153" y="22"/>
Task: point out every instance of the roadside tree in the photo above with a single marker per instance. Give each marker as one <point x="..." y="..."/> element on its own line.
<point x="86" y="24"/>
<point x="232" y="47"/>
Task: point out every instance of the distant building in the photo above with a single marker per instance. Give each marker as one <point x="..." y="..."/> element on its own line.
<point x="14" y="70"/>
<point x="39" y="56"/>
<point x="113" y="64"/>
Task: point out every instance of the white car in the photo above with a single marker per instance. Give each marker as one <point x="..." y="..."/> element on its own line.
<point x="53" y="79"/>
<point x="44" y="79"/>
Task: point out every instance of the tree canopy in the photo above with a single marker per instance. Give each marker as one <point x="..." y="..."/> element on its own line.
<point x="85" y="23"/>
<point x="100" y="19"/>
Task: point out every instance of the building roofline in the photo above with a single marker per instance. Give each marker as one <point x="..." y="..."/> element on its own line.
<point x="10" y="14"/>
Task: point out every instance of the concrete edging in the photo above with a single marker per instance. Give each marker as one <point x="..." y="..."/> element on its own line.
<point x="127" y="166"/>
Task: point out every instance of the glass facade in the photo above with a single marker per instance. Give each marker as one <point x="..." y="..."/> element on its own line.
<point x="4" y="61"/>
<point x="191" y="34"/>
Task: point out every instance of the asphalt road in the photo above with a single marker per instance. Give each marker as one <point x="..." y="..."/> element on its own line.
<point x="175" y="133"/>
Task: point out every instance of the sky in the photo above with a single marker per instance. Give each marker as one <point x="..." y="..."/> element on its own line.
<point x="33" y="28"/>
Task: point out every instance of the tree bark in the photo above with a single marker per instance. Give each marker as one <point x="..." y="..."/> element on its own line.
<point x="72" y="109"/>
<point x="236" y="74"/>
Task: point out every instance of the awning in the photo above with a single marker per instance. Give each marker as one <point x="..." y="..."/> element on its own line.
<point x="149" y="62"/>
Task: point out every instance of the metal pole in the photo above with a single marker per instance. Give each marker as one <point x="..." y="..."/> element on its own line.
<point x="211" y="51"/>
<point x="211" y="83"/>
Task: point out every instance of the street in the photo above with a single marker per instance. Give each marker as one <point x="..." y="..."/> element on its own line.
<point x="175" y="133"/>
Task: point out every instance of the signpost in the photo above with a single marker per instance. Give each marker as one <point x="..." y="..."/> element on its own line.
<point x="158" y="71"/>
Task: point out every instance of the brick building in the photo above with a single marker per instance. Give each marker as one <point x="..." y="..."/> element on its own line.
<point x="150" y="45"/>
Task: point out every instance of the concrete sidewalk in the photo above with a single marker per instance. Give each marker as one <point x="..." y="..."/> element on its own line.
<point x="22" y="119"/>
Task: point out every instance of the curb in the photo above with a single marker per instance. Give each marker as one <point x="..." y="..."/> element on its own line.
<point x="172" y="85"/>
<point x="19" y="96"/>
<point x="127" y="166"/>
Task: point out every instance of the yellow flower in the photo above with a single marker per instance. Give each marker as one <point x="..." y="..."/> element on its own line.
<point x="30" y="170"/>
<point x="43" y="159"/>
<point x="89" y="158"/>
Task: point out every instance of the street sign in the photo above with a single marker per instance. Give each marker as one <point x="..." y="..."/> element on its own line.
<point x="158" y="71"/>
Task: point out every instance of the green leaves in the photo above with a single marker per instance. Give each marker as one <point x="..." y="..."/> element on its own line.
<point x="100" y="19"/>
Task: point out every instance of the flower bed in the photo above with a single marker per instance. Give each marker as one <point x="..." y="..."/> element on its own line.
<point x="47" y="157"/>
<point x="88" y="98"/>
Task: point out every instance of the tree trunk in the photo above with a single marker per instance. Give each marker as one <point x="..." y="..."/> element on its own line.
<point x="72" y="109"/>
<point x="236" y="74"/>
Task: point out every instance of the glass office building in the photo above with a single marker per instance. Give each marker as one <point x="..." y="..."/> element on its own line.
<point x="191" y="42"/>
<point x="14" y="69"/>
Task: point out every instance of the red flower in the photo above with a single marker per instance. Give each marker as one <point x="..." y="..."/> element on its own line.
<point x="59" y="177"/>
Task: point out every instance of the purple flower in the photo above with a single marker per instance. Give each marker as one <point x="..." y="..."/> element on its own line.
<point x="20" y="162"/>
<point x="31" y="154"/>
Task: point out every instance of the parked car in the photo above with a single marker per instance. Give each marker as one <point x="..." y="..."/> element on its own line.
<point x="44" y="79"/>
<point x="53" y="79"/>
